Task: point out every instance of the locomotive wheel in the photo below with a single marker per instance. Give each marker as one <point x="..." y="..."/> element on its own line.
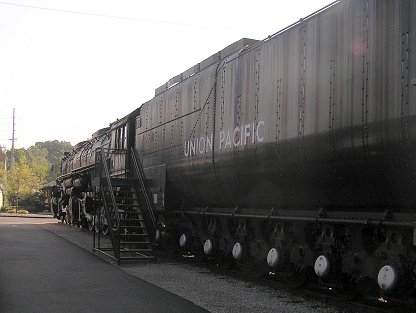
<point x="302" y="277"/>
<point x="90" y="226"/>
<point x="366" y="286"/>
<point x="225" y="261"/>
<point x="257" y="267"/>
<point x="67" y="220"/>
<point x="104" y="229"/>
<point x="97" y="225"/>
<point x="84" y="223"/>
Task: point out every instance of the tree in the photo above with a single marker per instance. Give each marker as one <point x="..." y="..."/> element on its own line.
<point x="21" y="182"/>
<point x="2" y="184"/>
<point x="32" y="170"/>
<point x="55" y="151"/>
<point x="37" y="161"/>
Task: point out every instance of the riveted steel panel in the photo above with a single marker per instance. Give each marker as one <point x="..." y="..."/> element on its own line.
<point x="237" y="47"/>
<point x="319" y="115"/>
<point x="161" y="89"/>
<point x="174" y="80"/>
<point x="191" y="71"/>
<point x="209" y="61"/>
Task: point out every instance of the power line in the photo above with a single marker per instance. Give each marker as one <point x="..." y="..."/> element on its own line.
<point x="113" y="16"/>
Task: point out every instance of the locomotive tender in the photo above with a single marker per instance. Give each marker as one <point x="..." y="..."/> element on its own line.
<point x="294" y="153"/>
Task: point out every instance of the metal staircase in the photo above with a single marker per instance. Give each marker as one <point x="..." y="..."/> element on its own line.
<point x="119" y="209"/>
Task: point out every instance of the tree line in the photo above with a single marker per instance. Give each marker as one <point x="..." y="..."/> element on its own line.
<point x="33" y="167"/>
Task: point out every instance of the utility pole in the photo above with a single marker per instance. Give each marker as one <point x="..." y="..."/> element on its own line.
<point x="13" y="140"/>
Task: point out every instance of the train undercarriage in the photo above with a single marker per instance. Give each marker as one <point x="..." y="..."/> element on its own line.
<point x="362" y="254"/>
<point x="367" y="256"/>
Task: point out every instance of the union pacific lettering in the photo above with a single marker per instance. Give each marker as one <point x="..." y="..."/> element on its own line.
<point x="239" y="136"/>
<point x="198" y="145"/>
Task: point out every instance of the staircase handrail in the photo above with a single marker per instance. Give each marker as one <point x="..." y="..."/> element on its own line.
<point x="114" y="242"/>
<point x="138" y="169"/>
<point x="111" y="191"/>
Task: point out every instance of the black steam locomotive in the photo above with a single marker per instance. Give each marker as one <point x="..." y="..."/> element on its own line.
<point x="296" y="153"/>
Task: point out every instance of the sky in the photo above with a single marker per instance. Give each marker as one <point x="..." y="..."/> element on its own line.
<point x="71" y="67"/>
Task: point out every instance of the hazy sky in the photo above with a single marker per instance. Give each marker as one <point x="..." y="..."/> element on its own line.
<point x="70" y="67"/>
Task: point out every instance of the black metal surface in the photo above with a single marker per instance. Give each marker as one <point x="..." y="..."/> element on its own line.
<point x="319" y="115"/>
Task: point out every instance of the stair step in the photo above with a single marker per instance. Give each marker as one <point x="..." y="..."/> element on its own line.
<point x="131" y="236"/>
<point x="131" y="205"/>
<point x="133" y="226"/>
<point x="132" y="219"/>
<point x="129" y="212"/>
<point x="128" y="200"/>
<point x="122" y="182"/>
<point x="134" y="242"/>
<point x="135" y="250"/>
<point x="138" y="257"/>
<point x="131" y="208"/>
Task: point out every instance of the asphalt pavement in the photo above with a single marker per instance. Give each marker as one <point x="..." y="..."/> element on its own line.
<point x="41" y="272"/>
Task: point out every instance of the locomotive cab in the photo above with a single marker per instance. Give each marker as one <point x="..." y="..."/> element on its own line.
<point x="121" y="141"/>
<point x="118" y="146"/>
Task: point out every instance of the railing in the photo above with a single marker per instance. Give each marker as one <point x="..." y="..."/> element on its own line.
<point x="140" y="175"/>
<point x="102" y="156"/>
<point x="110" y="190"/>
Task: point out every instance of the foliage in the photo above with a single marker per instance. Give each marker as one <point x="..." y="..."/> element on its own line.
<point x="23" y="211"/>
<point x="2" y="171"/>
<point x="55" y="151"/>
<point x="33" y="167"/>
<point x="37" y="161"/>
<point x="21" y="181"/>
<point x="2" y="177"/>
<point x="35" y="201"/>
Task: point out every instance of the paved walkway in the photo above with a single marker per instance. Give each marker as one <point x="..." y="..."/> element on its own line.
<point x="41" y="273"/>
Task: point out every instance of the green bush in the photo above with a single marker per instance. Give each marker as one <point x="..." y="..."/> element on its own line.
<point x="36" y="202"/>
